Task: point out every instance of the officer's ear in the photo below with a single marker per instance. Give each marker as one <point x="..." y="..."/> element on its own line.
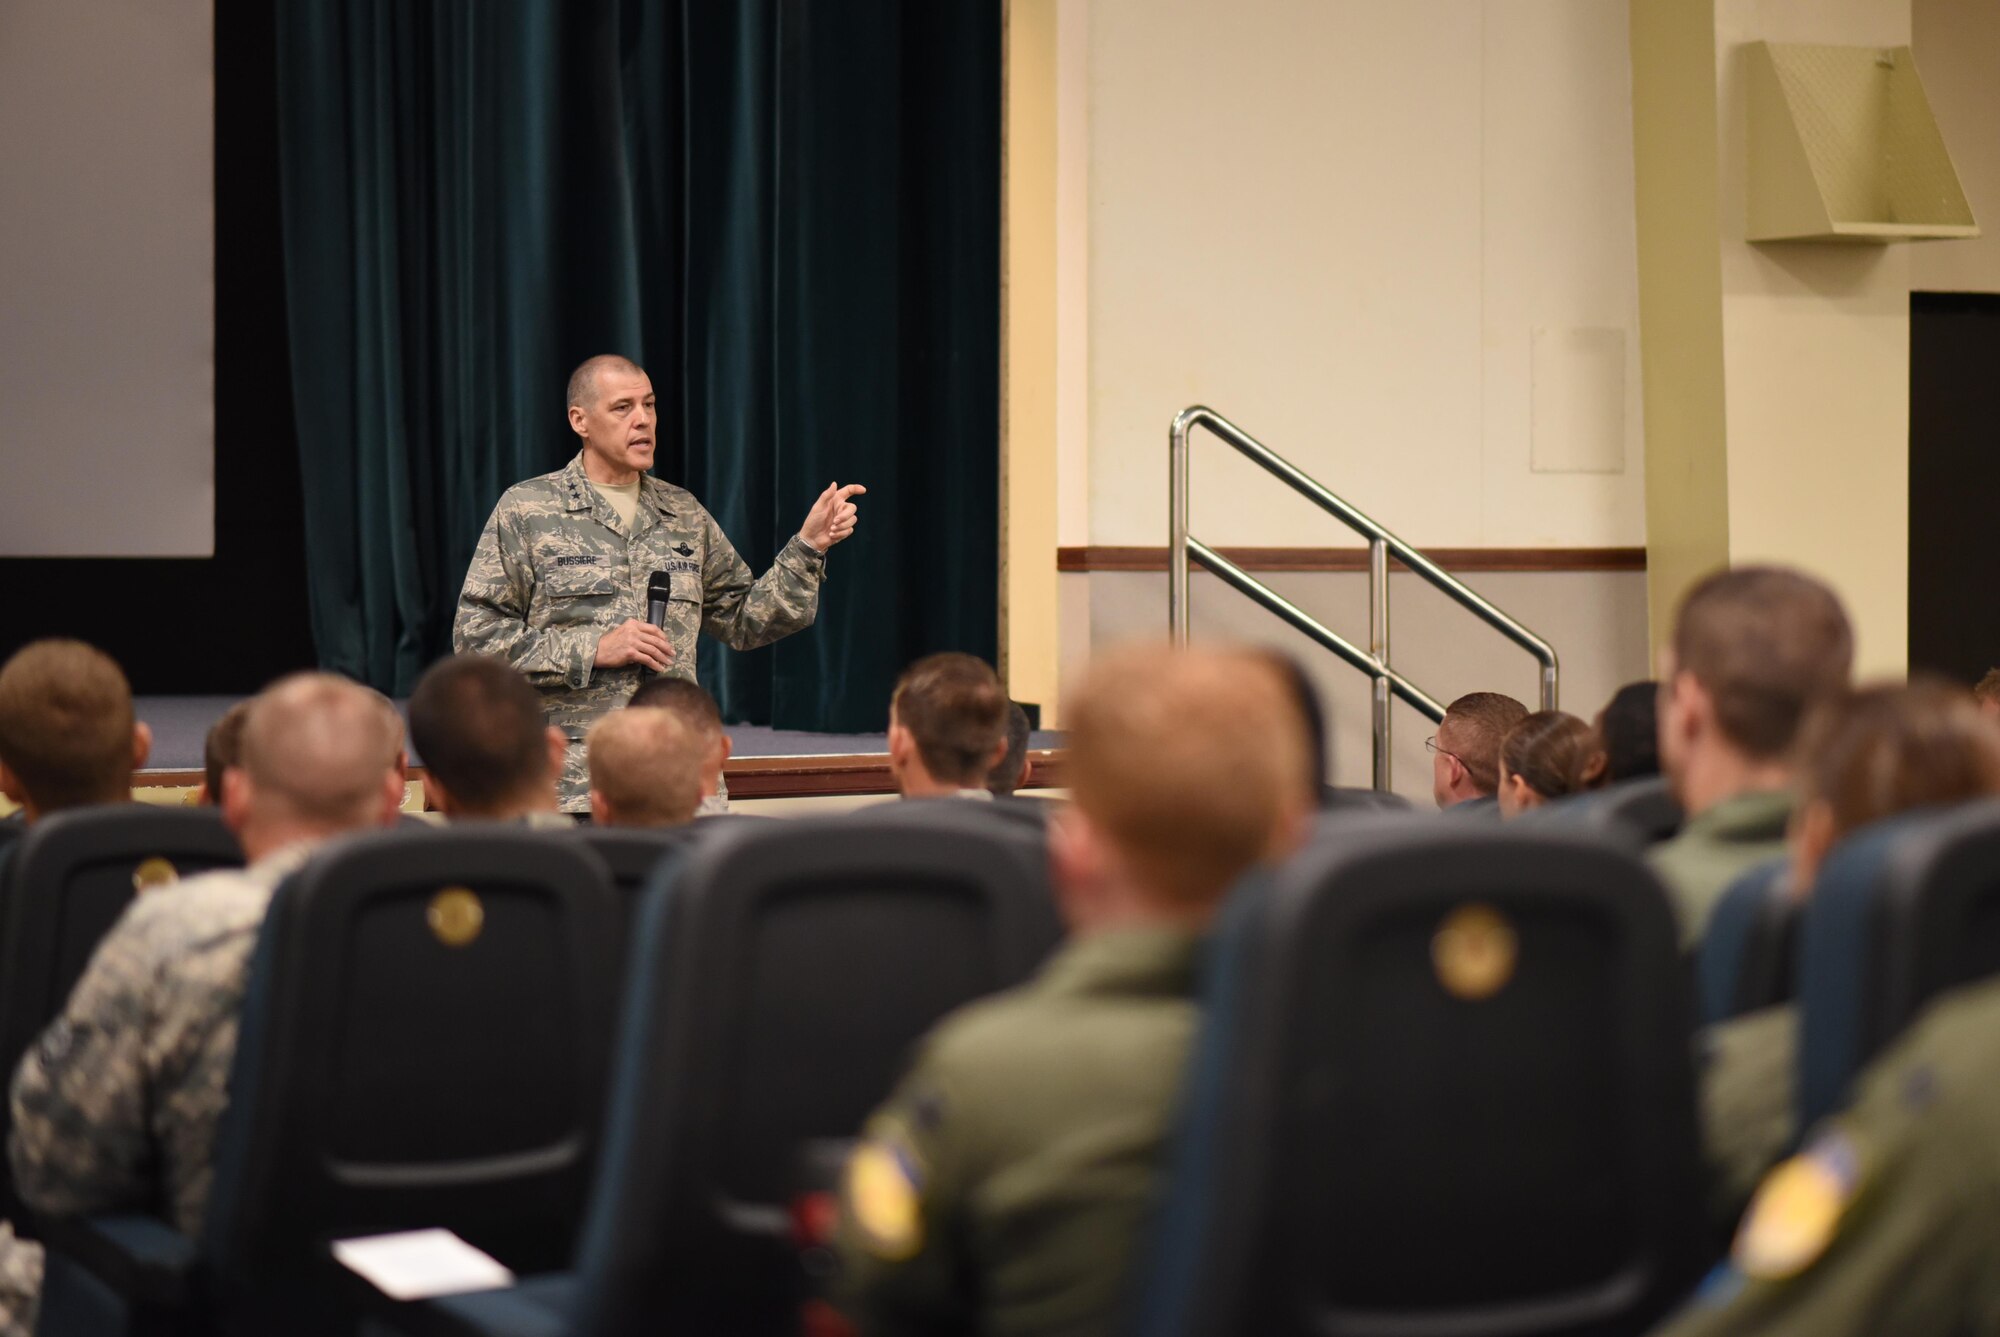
<point x="1077" y="865"/>
<point x="436" y="797"/>
<point x="1810" y="838"/>
<point x="579" y="421"/>
<point x="901" y="745"/>
<point x="235" y="798"/>
<point x="10" y="785"/>
<point x="392" y="796"/>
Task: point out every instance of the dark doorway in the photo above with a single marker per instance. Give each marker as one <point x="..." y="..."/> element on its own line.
<point x="1955" y="483"/>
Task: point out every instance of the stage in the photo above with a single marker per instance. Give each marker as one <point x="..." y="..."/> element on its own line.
<point x="765" y="763"/>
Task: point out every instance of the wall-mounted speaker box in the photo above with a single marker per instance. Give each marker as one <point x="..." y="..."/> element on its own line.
<point x="1843" y="147"/>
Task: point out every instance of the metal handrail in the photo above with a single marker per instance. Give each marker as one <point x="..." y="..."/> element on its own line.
<point x="1381" y="546"/>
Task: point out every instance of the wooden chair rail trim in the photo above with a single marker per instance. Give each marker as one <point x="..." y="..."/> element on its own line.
<point x="1099" y="558"/>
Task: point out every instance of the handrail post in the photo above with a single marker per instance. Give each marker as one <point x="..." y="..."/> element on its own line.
<point x="1178" y="617"/>
<point x="1378" y="646"/>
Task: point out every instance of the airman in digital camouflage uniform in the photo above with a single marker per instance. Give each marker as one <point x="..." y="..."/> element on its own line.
<point x="116" y="1107"/>
<point x="1889" y="1221"/>
<point x="1004" y="1185"/>
<point x="557" y="585"/>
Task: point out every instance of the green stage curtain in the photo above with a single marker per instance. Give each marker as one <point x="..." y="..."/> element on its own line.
<point x="788" y="211"/>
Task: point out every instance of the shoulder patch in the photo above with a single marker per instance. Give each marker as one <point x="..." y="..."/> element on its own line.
<point x="1798" y="1210"/>
<point x="882" y="1190"/>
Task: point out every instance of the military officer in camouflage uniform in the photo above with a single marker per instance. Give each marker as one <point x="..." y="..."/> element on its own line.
<point x="1003" y="1187"/>
<point x="116" y="1107"/>
<point x="558" y="583"/>
<point x="1889" y="1221"/>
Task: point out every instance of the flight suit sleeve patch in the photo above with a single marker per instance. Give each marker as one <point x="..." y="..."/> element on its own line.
<point x="1797" y="1211"/>
<point x="884" y="1190"/>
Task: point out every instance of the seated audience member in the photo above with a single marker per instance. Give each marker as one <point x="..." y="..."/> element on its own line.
<point x="1012" y="770"/>
<point x="947" y="727"/>
<point x="1987" y="694"/>
<point x="1465" y="752"/>
<point x="67" y="735"/>
<point x="221" y="749"/>
<point x="645" y="769"/>
<point x="116" y="1108"/>
<point x="1305" y="695"/>
<point x="1885" y="1223"/>
<point x="1549" y="755"/>
<point x="1752" y="651"/>
<point x="1003" y="1186"/>
<point x="695" y="708"/>
<point x="1863" y="756"/>
<point x="488" y="752"/>
<point x="1629" y="728"/>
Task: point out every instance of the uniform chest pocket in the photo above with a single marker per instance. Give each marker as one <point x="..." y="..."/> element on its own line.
<point x="573" y="594"/>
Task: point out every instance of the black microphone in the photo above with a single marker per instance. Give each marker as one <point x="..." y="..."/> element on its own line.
<point x="658" y="590"/>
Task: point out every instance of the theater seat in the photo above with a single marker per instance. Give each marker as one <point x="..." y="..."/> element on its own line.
<point x="63" y="885"/>
<point x="1746" y="959"/>
<point x="1633" y="814"/>
<point x="631" y="853"/>
<point x="1903" y="910"/>
<point x="784" y="975"/>
<point x="425" y="1042"/>
<point x="1339" y="798"/>
<point x="1442" y="1086"/>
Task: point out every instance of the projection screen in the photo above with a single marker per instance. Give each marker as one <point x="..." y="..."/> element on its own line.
<point x="107" y="293"/>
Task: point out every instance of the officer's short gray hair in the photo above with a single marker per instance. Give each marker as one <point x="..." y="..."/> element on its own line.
<point x="583" y="381"/>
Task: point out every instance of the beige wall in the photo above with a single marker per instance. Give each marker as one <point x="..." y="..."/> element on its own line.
<point x="1816" y="341"/>
<point x="1388" y="239"/>
<point x="1957" y="46"/>
<point x="1778" y="374"/>
<point x="1029" y="620"/>
<point x="1597" y="620"/>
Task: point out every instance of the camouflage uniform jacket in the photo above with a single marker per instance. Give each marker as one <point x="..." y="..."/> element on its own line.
<point x="556" y="569"/>
<point x="116" y="1106"/>
<point x="1889" y="1221"/>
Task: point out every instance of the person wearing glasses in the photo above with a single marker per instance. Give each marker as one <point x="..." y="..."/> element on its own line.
<point x="1465" y="752"/>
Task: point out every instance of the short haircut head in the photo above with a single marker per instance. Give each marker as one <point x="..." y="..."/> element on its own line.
<point x="1006" y="773"/>
<point x="582" y="392"/>
<point x="1630" y="731"/>
<point x="1881" y="750"/>
<point x="1988" y="687"/>
<point x="1765" y="643"/>
<point x="317" y="749"/>
<point x="481" y="730"/>
<point x="66" y="725"/>
<point x="1472" y="730"/>
<point x="688" y="701"/>
<point x="223" y="748"/>
<point x="954" y="708"/>
<point x="647" y="765"/>
<point x="1189" y="762"/>
<point x="1306" y="695"/>
<point x="1555" y="752"/>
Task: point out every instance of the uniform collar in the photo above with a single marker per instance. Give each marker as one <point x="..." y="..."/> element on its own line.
<point x="1128" y="961"/>
<point x="1758" y="815"/>
<point x="579" y="494"/>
